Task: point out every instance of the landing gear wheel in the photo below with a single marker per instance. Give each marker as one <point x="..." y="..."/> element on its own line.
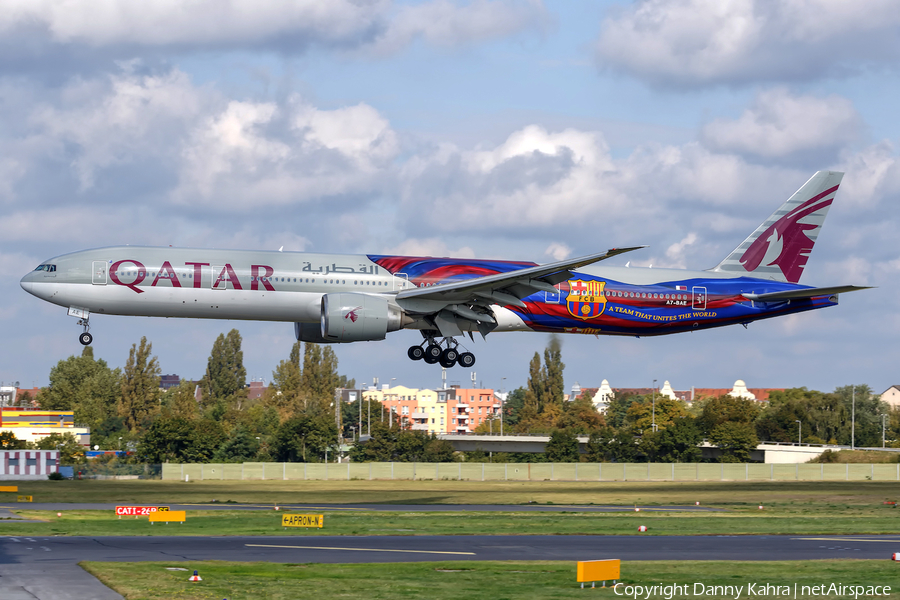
<point x="85" y="339"/>
<point x="433" y="351"/>
<point x="416" y="352"/>
<point x="447" y="364"/>
<point x="466" y="359"/>
<point x="449" y="355"/>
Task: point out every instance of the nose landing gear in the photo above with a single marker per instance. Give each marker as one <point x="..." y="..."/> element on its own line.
<point x="432" y="352"/>
<point x="85" y="338"/>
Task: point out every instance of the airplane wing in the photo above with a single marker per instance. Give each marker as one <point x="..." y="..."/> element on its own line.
<point x="805" y="293"/>
<point x="447" y="306"/>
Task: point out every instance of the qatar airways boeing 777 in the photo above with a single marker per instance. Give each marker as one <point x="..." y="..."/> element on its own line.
<point x="335" y="298"/>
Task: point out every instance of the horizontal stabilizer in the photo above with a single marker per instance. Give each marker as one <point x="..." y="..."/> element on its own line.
<point x="805" y="293"/>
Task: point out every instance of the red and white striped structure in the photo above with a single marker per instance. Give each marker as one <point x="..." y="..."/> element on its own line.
<point x="28" y="464"/>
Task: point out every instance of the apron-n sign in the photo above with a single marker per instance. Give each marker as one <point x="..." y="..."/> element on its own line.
<point x="303" y="521"/>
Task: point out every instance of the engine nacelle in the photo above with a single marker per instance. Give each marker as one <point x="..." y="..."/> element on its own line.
<point x="310" y="332"/>
<point x="352" y="317"/>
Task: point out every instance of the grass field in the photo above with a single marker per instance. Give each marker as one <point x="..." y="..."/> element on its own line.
<point x="467" y="580"/>
<point x="727" y="494"/>
<point x="838" y="521"/>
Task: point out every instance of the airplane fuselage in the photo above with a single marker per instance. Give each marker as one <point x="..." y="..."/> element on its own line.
<point x="289" y="287"/>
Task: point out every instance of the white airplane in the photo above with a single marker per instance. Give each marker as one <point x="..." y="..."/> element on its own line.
<point x="337" y="298"/>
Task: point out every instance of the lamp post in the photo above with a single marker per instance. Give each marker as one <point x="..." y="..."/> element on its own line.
<point x="502" y="402"/>
<point x="853" y="418"/>
<point x="653" y="415"/>
<point x="799" y="431"/>
<point x="882" y="429"/>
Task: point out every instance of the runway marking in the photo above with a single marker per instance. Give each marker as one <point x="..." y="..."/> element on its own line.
<point x="359" y="549"/>
<point x="812" y="539"/>
<point x="281" y="506"/>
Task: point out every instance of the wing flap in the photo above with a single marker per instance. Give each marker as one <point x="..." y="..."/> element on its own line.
<point x="805" y="293"/>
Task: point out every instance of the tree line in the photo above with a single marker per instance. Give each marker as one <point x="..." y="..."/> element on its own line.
<point x="126" y="410"/>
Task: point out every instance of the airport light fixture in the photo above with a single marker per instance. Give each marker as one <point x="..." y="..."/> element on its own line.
<point x="853" y="418"/>
<point x="653" y="414"/>
<point x="882" y="429"/>
<point x="799" y="431"/>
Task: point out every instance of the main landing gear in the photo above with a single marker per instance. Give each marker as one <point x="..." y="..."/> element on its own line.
<point x="431" y="352"/>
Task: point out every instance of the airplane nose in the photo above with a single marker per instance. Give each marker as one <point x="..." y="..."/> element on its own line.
<point x="26" y="283"/>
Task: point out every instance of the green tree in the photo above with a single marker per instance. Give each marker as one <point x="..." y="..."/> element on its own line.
<point x="305" y="438"/>
<point x="512" y="408"/>
<point x="175" y="439"/>
<point x="869" y="409"/>
<point x="319" y="378"/>
<point x="580" y="416"/>
<point x="726" y="409"/>
<point x="642" y="415"/>
<point x="140" y="385"/>
<point x="562" y="447"/>
<point x="554" y="386"/>
<point x="617" y="412"/>
<point x="226" y="378"/>
<point x="678" y="442"/>
<point x="381" y="447"/>
<point x="83" y="385"/>
<point x="735" y="440"/>
<point x="180" y="401"/>
<point x="9" y="441"/>
<point x="287" y="383"/>
<point x="71" y="452"/>
<point x="240" y="446"/>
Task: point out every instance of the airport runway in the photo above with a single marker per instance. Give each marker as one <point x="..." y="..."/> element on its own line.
<point x="374" y="507"/>
<point x="353" y="549"/>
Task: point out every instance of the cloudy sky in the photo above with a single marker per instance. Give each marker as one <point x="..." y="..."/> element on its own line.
<point x="514" y="129"/>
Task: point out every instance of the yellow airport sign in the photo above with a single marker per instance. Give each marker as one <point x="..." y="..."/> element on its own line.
<point x="598" y="570"/>
<point x="168" y="516"/>
<point x="23" y="498"/>
<point x="303" y="521"/>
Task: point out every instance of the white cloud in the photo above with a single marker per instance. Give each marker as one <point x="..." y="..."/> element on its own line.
<point x="429" y="247"/>
<point x="114" y="120"/>
<point x="700" y="42"/>
<point x="558" y="251"/>
<point x="286" y="25"/>
<point x="676" y="252"/>
<point x="358" y="132"/>
<point x="779" y="124"/>
<point x="445" y="23"/>
<point x="275" y="155"/>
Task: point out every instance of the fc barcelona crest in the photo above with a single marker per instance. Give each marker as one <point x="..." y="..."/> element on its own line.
<point x="586" y="299"/>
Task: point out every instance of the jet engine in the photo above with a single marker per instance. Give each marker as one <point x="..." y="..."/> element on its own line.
<point x="310" y="332"/>
<point x="352" y="317"/>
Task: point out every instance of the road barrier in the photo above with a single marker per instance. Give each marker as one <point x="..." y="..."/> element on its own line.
<point x="9" y="488"/>
<point x="535" y="471"/>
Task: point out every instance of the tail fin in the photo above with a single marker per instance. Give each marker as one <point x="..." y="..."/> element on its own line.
<point x="780" y="247"/>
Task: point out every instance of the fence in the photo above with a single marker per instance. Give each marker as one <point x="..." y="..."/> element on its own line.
<point x="535" y="471"/>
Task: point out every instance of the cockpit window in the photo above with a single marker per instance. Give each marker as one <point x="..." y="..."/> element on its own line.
<point x="48" y="268"/>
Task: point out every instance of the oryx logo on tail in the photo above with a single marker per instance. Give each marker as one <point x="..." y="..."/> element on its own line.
<point x="779" y="248"/>
<point x="586" y="299"/>
<point x="785" y="243"/>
